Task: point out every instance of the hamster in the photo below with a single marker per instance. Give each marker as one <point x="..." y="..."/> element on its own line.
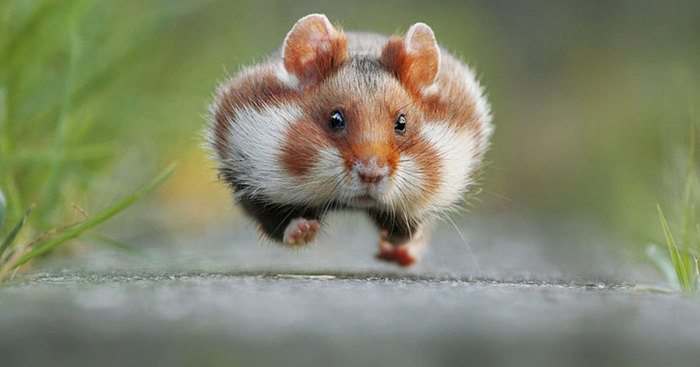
<point x="395" y="127"/>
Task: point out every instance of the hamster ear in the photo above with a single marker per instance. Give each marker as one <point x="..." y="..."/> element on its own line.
<point x="414" y="59"/>
<point x="313" y="49"/>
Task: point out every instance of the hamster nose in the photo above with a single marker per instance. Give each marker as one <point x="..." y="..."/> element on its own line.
<point x="369" y="177"/>
<point x="371" y="171"/>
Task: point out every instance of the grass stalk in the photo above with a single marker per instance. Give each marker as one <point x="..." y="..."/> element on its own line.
<point x="14" y="256"/>
<point x="98" y="219"/>
<point x="678" y="261"/>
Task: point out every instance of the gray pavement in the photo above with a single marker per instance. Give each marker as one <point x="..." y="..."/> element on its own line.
<point x="522" y="294"/>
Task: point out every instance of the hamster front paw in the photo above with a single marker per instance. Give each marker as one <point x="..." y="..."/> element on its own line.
<point x="300" y="231"/>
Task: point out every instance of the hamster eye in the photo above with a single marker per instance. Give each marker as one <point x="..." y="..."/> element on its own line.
<point x="337" y="120"/>
<point x="400" y="123"/>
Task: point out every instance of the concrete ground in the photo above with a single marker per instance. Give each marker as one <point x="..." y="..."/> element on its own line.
<point x="504" y="292"/>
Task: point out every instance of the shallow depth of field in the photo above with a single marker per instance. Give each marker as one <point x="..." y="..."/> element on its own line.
<point x="595" y="107"/>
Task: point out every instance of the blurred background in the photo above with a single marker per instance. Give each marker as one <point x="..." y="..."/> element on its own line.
<point x="592" y="101"/>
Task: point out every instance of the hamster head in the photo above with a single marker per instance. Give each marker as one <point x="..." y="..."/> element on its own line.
<point x="363" y="122"/>
<point x="323" y="126"/>
<point x="360" y="123"/>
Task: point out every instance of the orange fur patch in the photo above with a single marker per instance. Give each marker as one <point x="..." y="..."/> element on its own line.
<point x="251" y="90"/>
<point x="417" y="68"/>
<point x="303" y="141"/>
<point x="314" y="49"/>
<point x="428" y="161"/>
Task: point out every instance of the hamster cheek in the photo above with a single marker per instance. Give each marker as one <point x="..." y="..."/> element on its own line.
<point x="252" y="138"/>
<point x="328" y="178"/>
<point x="455" y="152"/>
<point x="299" y="152"/>
<point x="417" y="177"/>
<point x="312" y="164"/>
<point x="408" y="183"/>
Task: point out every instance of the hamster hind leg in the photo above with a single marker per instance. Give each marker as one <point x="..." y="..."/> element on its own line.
<point x="400" y="241"/>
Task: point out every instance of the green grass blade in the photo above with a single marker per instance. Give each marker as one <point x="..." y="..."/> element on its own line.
<point x="118" y="245"/>
<point x="46" y="157"/>
<point x="100" y="218"/>
<point x="678" y="263"/>
<point x="30" y="25"/>
<point x="56" y="177"/>
<point x="11" y="237"/>
<point x="3" y="120"/>
<point x="663" y="264"/>
<point x="689" y="207"/>
<point x="2" y="210"/>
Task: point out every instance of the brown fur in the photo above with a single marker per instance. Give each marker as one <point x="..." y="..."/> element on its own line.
<point x="363" y="113"/>
<point x="313" y="61"/>
<point x="371" y="80"/>
<point x="417" y="67"/>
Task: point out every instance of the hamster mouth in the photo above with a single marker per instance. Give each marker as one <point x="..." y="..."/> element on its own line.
<point x="363" y="201"/>
<point x="364" y="198"/>
<point x="369" y="195"/>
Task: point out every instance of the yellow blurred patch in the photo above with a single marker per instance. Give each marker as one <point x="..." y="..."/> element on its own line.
<point x="194" y="198"/>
